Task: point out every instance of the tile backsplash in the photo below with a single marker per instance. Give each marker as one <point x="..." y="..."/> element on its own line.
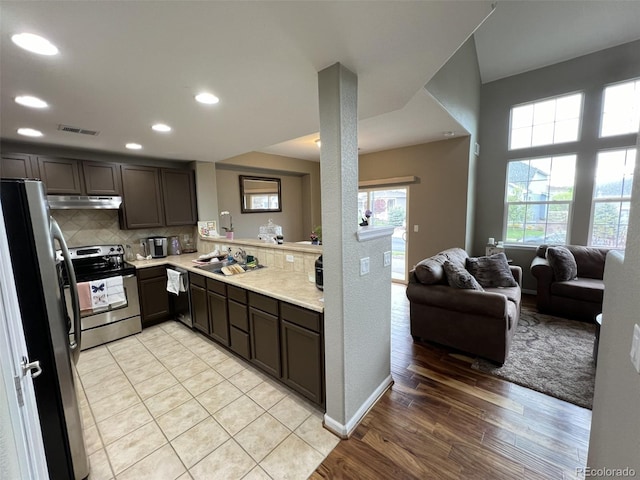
<point x="99" y="227"/>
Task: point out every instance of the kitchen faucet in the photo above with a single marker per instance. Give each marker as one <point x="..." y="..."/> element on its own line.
<point x="240" y="256"/>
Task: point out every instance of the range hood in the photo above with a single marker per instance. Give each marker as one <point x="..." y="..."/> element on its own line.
<point x="65" y="202"/>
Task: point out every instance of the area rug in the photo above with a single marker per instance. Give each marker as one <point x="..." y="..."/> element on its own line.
<point x="551" y="355"/>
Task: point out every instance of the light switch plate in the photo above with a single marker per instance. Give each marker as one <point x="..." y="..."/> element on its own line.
<point x="364" y="266"/>
<point x="635" y="348"/>
<point x="290" y="258"/>
<point x="416" y="228"/>
<point x="386" y="259"/>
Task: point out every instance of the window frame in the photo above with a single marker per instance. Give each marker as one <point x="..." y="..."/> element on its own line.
<point x="570" y="203"/>
<point x="600" y="136"/>
<point x="615" y="200"/>
<point x="541" y="100"/>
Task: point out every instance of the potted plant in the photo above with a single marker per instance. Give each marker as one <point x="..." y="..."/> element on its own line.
<point x="316" y="236"/>
<point x="229" y="229"/>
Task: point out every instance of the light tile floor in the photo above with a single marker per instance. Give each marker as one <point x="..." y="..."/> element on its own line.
<point x="170" y="404"/>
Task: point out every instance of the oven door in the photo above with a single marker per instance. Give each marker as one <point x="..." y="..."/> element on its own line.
<point x="111" y="323"/>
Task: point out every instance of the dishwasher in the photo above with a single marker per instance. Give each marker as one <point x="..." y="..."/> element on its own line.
<point x="180" y="303"/>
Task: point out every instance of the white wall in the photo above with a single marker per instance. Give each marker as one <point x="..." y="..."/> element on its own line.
<point x="615" y="425"/>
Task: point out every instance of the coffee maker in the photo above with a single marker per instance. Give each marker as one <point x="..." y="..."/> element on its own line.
<point x="156" y="247"/>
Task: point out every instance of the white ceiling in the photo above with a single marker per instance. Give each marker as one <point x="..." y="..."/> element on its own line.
<point x="126" y="65"/>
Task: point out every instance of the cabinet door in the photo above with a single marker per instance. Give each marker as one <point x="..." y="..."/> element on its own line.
<point x="101" y="178"/>
<point x="265" y="341"/>
<point x="302" y="361"/>
<point x="199" y="310"/>
<point x="179" y="196"/>
<point x="60" y="175"/>
<point x="142" y="201"/>
<point x="154" y="300"/>
<point x="218" y="317"/>
<point x="17" y="166"/>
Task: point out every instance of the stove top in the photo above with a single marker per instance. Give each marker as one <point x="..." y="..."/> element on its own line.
<point x="96" y="262"/>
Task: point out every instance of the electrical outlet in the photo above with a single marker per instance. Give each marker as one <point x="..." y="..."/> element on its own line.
<point x="386" y="259"/>
<point x="416" y="228"/>
<point x="364" y="266"/>
<point x="290" y="258"/>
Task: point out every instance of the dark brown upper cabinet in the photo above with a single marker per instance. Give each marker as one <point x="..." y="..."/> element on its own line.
<point x="61" y="175"/>
<point x="18" y="166"/>
<point x="179" y="197"/>
<point x="101" y="178"/>
<point x="142" y="204"/>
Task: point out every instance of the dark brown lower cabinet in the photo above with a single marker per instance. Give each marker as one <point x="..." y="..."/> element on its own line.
<point x="218" y="317"/>
<point x="281" y="339"/>
<point x="265" y="341"/>
<point x="199" y="310"/>
<point x="154" y="299"/>
<point x="302" y="364"/>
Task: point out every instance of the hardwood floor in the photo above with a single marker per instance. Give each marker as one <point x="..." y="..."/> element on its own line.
<point x="442" y="420"/>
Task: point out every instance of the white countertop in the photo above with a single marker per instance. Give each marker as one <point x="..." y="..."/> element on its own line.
<point x="292" y="287"/>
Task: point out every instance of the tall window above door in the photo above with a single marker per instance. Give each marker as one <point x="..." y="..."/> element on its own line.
<point x="546" y="122"/>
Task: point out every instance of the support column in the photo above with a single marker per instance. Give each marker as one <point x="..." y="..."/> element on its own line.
<point x="357" y="307"/>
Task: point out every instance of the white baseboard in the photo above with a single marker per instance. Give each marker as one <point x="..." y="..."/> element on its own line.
<point x="345" y="430"/>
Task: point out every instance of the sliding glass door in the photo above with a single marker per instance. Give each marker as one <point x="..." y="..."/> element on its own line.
<point x="389" y="208"/>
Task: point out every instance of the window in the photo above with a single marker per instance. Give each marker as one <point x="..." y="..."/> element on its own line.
<point x="611" y="198"/>
<point x="547" y="122"/>
<point x="539" y="198"/>
<point x="620" y="109"/>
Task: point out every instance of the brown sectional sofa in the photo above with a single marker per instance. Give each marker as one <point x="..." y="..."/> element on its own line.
<point x="579" y="298"/>
<point x="477" y="322"/>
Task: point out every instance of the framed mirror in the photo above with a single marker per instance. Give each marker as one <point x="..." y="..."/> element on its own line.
<point x="260" y="194"/>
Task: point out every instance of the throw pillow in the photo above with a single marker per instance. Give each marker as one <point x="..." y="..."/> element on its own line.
<point x="492" y="271"/>
<point x="429" y="271"/>
<point x="459" y="277"/>
<point x="563" y="263"/>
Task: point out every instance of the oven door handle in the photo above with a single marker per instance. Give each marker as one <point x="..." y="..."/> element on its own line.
<point x="74" y="345"/>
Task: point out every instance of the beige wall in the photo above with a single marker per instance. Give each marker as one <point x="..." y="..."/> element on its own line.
<point x="247" y="225"/>
<point x="266" y="164"/>
<point x="437" y="201"/>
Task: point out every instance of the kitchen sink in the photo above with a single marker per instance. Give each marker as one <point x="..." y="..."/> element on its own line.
<point x="217" y="268"/>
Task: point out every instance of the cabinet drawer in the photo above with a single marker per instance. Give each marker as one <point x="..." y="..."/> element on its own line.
<point x="236" y="293"/>
<point x="240" y="342"/>
<point x="301" y="317"/>
<point x="151" y="272"/>
<point x="216" y="286"/>
<point x="266" y="304"/>
<point x="198" y="280"/>
<point x="238" y="315"/>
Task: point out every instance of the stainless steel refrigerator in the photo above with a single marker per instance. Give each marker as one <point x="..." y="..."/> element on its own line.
<point x="32" y="235"/>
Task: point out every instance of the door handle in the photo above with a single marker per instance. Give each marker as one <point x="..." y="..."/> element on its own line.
<point x="30" y="368"/>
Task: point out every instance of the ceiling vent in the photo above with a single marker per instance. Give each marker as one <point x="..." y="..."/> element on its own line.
<point x="83" y="131"/>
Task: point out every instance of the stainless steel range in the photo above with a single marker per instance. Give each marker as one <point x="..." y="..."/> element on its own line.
<point x="107" y="294"/>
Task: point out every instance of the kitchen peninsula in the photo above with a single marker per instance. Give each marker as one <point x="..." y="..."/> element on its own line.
<point x="271" y="317"/>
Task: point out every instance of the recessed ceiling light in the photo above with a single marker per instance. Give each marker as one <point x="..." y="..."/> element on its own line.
<point x="133" y="146"/>
<point x="29" y="101"/>
<point x="29" y="132"/>
<point x="161" y="127"/>
<point x="34" y="43"/>
<point x="450" y="133"/>
<point x="207" y="98"/>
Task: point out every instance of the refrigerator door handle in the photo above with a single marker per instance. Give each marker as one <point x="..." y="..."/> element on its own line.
<point x="32" y="368"/>
<point x="75" y="345"/>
